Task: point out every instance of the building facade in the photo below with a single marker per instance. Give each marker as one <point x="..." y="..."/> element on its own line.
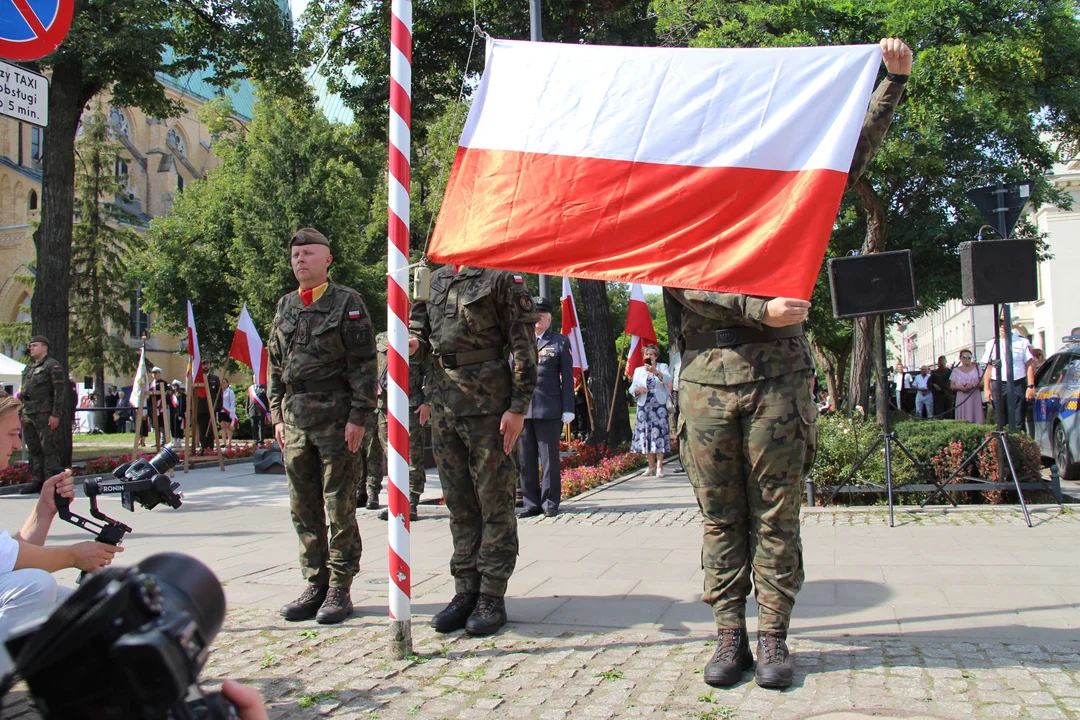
<point x="954" y="327"/>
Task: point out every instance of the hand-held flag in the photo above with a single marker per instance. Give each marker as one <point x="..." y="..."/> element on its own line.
<point x="639" y="327"/>
<point x="195" y="368"/>
<point x="571" y="328"/>
<point x="247" y="347"/>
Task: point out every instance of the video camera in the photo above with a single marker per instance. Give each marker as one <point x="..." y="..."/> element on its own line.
<point x="128" y="644"/>
<point x="143" y="481"/>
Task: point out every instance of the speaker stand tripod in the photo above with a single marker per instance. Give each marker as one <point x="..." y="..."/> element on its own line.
<point x="888" y="438"/>
<point x="998" y="439"/>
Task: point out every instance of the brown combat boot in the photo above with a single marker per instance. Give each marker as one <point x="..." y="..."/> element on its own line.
<point x="337" y="606"/>
<point x="305" y="607"/>
<point x="774" y="666"/>
<point x="729" y="660"/>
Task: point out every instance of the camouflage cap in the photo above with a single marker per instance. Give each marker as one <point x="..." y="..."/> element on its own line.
<point x="40" y="339"/>
<point x="309" y="236"/>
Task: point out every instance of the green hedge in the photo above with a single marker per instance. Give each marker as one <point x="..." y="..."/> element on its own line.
<point x="940" y="446"/>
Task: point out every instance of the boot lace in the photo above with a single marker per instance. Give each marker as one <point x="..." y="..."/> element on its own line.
<point x="460" y="601"/>
<point x="487" y="606"/>
<point x="335" y="596"/>
<point x="310" y="594"/>
<point x="727" y="646"/>
<point x="773" y="648"/>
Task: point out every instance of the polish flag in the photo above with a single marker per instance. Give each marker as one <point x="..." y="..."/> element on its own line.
<point x="195" y="368"/>
<point x="712" y="169"/>
<point x="571" y="328"/>
<point x="639" y="327"/>
<point x="247" y="347"/>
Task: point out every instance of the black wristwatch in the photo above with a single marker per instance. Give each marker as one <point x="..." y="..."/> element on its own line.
<point x="896" y="78"/>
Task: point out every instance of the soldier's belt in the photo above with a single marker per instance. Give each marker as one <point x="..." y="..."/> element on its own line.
<point x="469" y="357"/>
<point x="729" y="337"/>
<point x="311" y="386"/>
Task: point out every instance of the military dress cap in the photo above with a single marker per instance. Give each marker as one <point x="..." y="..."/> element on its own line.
<point x="155" y="369"/>
<point x="542" y="304"/>
<point x="40" y="339"/>
<point x="309" y="236"/>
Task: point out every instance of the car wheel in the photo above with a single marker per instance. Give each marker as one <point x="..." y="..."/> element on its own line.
<point x="1068" y="469"/>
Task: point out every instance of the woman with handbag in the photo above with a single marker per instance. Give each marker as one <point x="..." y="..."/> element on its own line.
<point x="652" y="386"/>
<point x="966" y="380"/>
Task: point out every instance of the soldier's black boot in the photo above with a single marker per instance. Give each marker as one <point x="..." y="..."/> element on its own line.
<point x="373" y="501"/>
<point x="488" y="617"/>
<point x="729" y="660"/>
<point x="361" y="498"/>
<point x="32" y="488"/>
<point x="774" y="666"/>
<point x="336" y="607"/>
<point x="456" y="614"/>
<point x="305" y="607"/>
<point x="414" y="510"/>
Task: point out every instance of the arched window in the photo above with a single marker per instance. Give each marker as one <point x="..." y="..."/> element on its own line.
<point x="33" y="200"/>
<point x="119" y="122"/>
<point x="175" y="140"/>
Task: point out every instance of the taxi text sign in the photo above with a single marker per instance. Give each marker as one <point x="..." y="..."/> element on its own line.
<point x="24" y="95"/>
<point x="31" y="29"/>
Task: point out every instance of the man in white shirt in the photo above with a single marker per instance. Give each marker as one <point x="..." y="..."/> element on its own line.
<point x="903" y="382"/>
<point x="925" y="396"/>
<point x="1023" y="370"/>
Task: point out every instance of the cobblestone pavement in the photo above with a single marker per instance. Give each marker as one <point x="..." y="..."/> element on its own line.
<point x="308" y="671"/>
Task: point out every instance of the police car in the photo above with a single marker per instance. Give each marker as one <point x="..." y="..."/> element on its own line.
<point x="1057" y="400"/>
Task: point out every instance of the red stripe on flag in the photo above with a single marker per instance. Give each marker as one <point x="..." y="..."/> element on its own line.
<point x="639" y="321"/>
<point x="240" y="350"/>
<point x="400" y="102"/>
<point x="400" y="37"/>
<point x="759" y="232"/>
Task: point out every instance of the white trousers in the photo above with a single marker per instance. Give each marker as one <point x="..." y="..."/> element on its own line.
<point x="24" y="595"/>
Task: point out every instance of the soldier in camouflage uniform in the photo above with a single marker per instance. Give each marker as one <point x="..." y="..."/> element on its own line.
<point x="473" y="321"/>
<point x="42" y="395"/>
<point x="372" y="456"/>
<point x="419" y="369"/>
<point x="747" y="438"/>
<point x="321" y="390"/>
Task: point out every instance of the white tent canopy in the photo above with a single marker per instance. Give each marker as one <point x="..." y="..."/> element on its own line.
<point x="10" y="372"/>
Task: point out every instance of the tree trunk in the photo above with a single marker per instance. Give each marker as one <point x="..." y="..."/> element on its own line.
<point x="599" y="338"/>
<point x="877" y="230"/>
<point x="673" y="313"/>
<point x="49" y="305"/>
<point x="881" y="397"/>
<point x="827" y="365"/>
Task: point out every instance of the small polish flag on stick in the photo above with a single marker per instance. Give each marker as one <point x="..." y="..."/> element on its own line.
<point x="639" y="327"/>
<point x="195" y="368"/>
<point x="571" y="328"/>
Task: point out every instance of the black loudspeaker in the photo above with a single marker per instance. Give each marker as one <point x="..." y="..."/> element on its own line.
<point x="88" y="382"/>
<point x="999" y="271"/>
<point x="872" y="284"/>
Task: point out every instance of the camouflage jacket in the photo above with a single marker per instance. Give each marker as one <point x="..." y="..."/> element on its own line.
<point x="43" y="387"/>
<point x="419" y="369"/>
<point x="329" y="342"/>
<point x="704" y="312"/>
<point x="479" y="309"/>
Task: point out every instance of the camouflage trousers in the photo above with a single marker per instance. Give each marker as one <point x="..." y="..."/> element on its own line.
<point x="417" y="473"/>
<point x="42" y="444"/>
<point x="322" y="483"/>
<point x="478" y="485"/>
<point x="747" y="449"/>
<point x="372" y="460"/>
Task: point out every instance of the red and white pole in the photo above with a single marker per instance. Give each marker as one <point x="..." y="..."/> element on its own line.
<point x="397" y="322"/>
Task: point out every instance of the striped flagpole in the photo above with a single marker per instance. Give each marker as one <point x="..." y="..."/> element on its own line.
<point x="397" y="319"/>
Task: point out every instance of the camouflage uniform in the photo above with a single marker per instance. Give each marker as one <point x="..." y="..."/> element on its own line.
<point x="473" y="321"/>
<point x="747" y="435"/>
<point x="373" y="460"/>
<point x="42" y="394"/>
<point x="322" y="375"/>
<point x="419" y="369"/>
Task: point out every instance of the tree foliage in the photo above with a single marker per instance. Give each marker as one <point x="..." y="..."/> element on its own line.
<point x="227" y="239"/>
<point x="103" y="246"/>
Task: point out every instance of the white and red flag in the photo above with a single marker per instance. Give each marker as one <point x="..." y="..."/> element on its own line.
<point x="195" y="368"/>
<point x="247" y="347"/>
<point x="571" y="328"/>
<point x="639" y="327"/>
<point x="714" y="169"/>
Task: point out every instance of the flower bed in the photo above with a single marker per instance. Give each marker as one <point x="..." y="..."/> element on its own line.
<point x="941" y="445"/>
<point x="587" y="467"/>
<point x="16" y="474"/>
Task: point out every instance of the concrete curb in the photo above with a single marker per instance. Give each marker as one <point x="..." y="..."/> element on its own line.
<point x="80" y="479"/>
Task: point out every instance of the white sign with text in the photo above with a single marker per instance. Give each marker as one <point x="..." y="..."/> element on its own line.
<point x="24" y="95"/>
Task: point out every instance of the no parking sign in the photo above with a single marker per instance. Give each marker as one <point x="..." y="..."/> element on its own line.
<point x="31" y="29"/>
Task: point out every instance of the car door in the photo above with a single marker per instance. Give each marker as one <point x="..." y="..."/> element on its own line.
<point x="1069" y="391"/>
<point x="1048" y="401"/>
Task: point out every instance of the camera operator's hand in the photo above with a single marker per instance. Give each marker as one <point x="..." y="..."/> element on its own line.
<point x="92" y="556"/>
<point x="354" y="435"/>
<point x="248" y="702"/>
<point x="61" y="483"/>
<point x="279" y="435"/>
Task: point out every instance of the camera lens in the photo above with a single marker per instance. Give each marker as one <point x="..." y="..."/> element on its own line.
<point x="188" y="586"/>
<point x="165" y="460"/>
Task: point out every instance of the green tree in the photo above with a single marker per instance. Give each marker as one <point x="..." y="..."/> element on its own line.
<point x="103" y="244"/>
<point x="994" y="95"/>
<point x="227" y="239"/>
